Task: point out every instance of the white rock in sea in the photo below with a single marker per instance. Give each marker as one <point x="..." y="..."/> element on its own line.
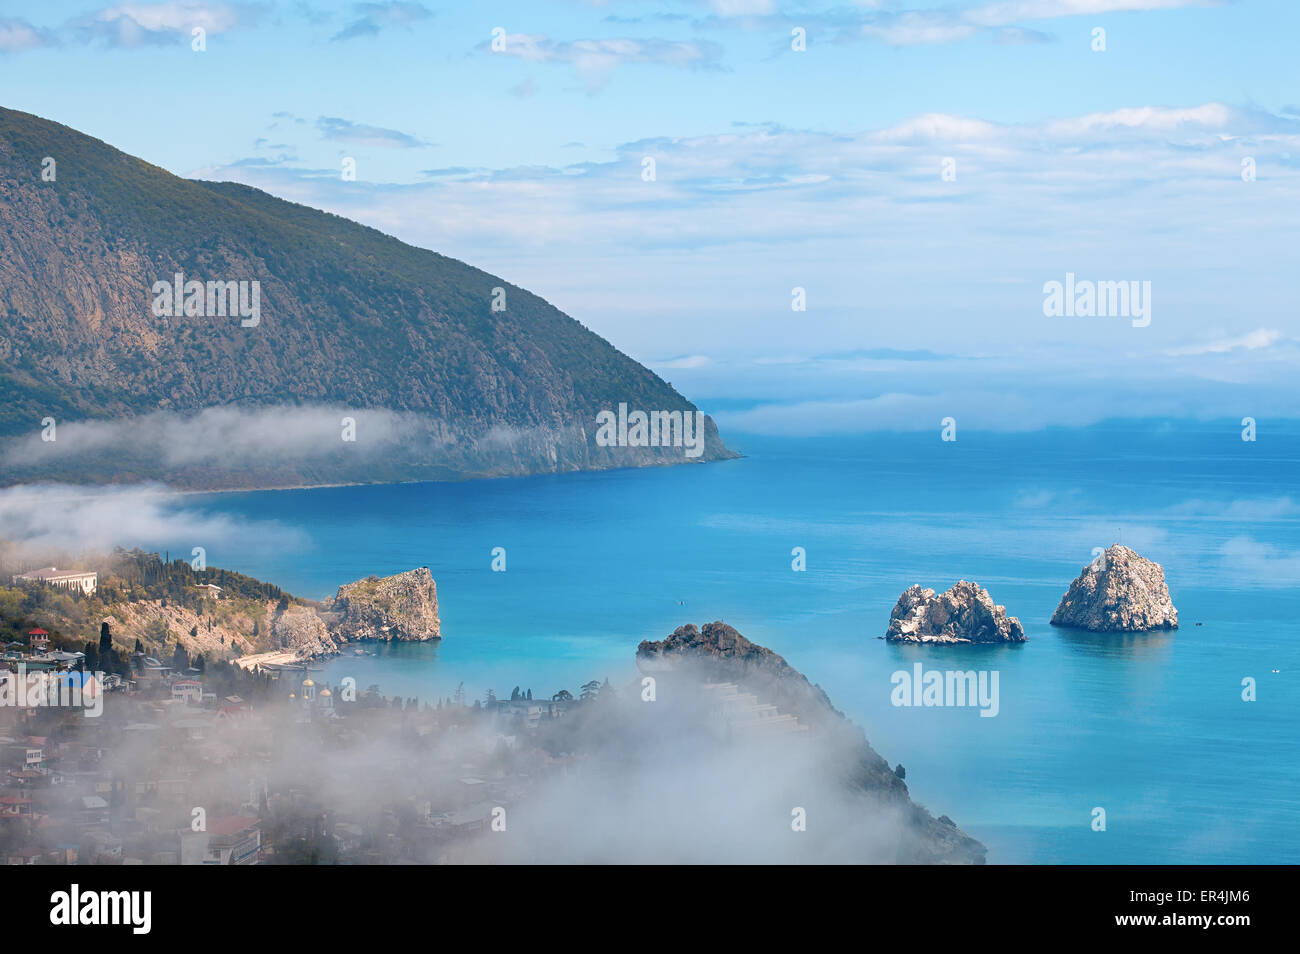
<point x="1119" y="592"/>
<point x="964" y="614"/>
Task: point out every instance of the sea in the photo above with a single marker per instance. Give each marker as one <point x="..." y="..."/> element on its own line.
<point x="1163" y="748"/>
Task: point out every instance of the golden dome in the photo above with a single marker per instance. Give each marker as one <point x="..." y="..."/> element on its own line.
<point x="326" y="692"/>
<point x="308" y="682"/>
<point x="293" y="695"/>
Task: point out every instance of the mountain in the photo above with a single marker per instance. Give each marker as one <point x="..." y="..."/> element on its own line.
<point x="102" y="377"/>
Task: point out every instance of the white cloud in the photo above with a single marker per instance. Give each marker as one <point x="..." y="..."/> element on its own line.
<point x="922" y="26"/>
<point x="217" y="435"/>
<point x="1251" y="341"/>
<point x="741" y="8"/>
<point x="16" y="35"/>
<point x="177" y="15"/>
<point x="373" y="18"/>
<point x="1018" y="10"/>
<point x="1243" y="510"/>
<point x="891" y="255"/>
<point x="1153" y="118"/>
<point x="1262" y="564"/>
<point x="78" y="519"/>
<point x="129" y="25"/>
<point x="595" y="59"/>
<point x="689" y="361"/>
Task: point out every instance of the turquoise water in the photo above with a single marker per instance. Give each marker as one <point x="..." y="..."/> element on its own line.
<point x="1151" y="728"/>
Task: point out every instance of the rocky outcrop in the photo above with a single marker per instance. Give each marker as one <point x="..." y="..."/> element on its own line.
<point x="718" y="653"/>
<point x="301" y="629"/>
<point x="964" y="614"/>
<point x="403" y="606"/>
<point x="1119" y="592"/>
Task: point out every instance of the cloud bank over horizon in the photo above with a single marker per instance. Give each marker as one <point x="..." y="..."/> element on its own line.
<point x="676" y="174"/>
<point x="894" y="255"/>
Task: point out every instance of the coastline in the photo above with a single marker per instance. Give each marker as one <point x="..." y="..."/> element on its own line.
<point x="145" y="487"/>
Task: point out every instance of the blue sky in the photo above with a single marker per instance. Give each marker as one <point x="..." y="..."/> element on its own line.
<point x="775" y="169"/>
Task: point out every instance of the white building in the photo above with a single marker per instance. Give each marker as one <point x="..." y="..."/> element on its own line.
<point x="189" y="690"/>
<point x="66" y="579"/>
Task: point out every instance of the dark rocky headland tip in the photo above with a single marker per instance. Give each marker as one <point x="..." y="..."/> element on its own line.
<point x="1119" y="592"/>
<point x="964" y="614"/>
<point x="718" y="654"/>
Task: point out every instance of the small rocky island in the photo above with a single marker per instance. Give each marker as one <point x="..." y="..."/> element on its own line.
<point x="964" y="614"/>
<point x="1119" y="592"/>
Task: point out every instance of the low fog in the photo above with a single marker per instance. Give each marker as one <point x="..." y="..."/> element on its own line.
<point x="49" y="519"/>
<point x="224" y="435"/>
<point x="617" y="778"/>
<point x="225" y="448"/>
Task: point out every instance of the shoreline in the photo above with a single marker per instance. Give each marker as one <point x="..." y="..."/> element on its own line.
<point x="145" y="486"/>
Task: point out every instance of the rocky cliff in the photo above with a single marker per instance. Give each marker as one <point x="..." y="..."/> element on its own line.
<point x="1119" y="592"/>
<point x="368" y="360"/>
<point x="718" y="653"/>
<point x="403" y="607"/>
<point x="964" y="614"/>
<point x="301" y="629"/>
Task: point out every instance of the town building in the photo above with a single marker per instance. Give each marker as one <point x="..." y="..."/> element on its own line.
<point x="86" y="582"/>
<point x="235" y="840"/>
<point x="189" y="691"/>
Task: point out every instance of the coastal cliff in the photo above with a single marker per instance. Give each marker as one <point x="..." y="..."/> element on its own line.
<point x="164" y="605"/>
<point x="1119" y="592"/>
<point x="964" y="614"/>
<point x="717" y="653"/>
<point x="399" y="607"/>
<point x="359" y="358"/>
